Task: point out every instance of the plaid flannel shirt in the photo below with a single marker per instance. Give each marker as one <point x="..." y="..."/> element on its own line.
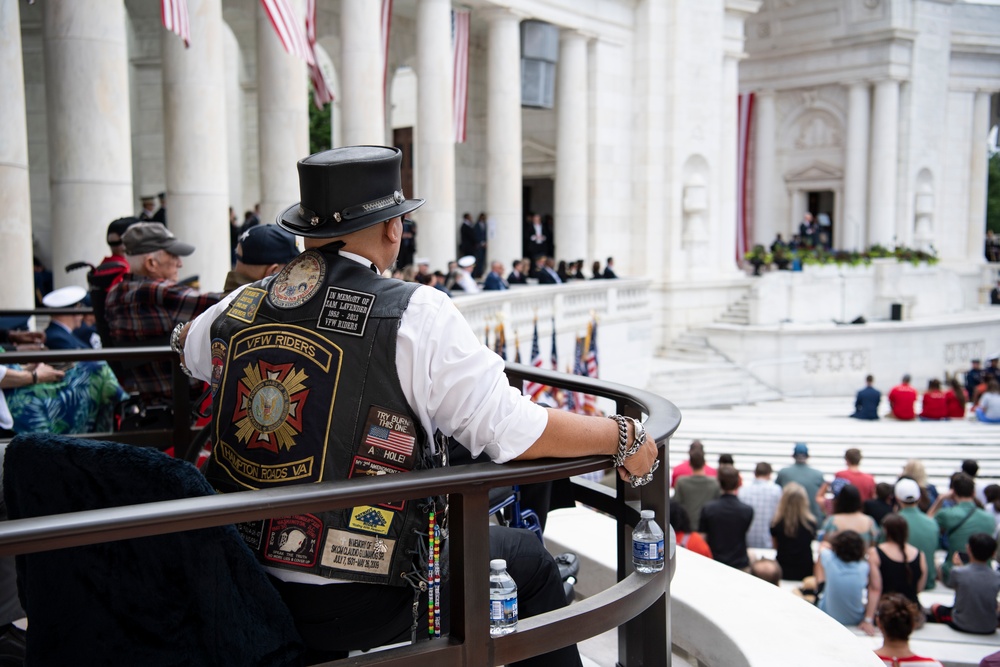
<point x="763" y="497"/>
<point x="143" y="311"/>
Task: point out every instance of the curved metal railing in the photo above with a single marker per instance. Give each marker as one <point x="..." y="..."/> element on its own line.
<point x="638" y="604"/>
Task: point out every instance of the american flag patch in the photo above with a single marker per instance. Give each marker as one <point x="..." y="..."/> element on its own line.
<point x="394" y="441"/>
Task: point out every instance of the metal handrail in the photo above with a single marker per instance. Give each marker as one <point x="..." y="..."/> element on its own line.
<point x="638" y="605"/>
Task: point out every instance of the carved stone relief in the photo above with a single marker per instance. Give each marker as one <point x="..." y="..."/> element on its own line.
<point x="836" y="361"/>
<point x="964" y="351"/>
<point x="816" y="130"/>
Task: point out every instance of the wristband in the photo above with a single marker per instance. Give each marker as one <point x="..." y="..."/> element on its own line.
<point x="34" y="376"/>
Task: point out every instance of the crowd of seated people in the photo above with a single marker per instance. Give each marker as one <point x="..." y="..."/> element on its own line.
<point x="878" y="544"/>
<point x="977" y="398"/>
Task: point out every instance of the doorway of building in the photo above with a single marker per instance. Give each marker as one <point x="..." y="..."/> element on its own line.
<point x="402" y="138"/>
<point x="538" y="196"/>
<point x="820" y="204"/>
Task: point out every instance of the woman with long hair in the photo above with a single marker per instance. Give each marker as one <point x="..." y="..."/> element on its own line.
<point x="955" y="399"/>
<point x="847" y="515"/>
<point x="793" y="529"/>
<point x="896" y="617"/>
<point x="903" y="567"/>
<point x="914" y="469"/>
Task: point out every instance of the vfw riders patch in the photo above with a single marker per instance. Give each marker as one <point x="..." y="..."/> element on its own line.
<point x="276" y="404"/>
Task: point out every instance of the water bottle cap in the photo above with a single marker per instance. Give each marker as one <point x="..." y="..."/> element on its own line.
<point x="647" y="514"/>
<point x="498" y="564"/>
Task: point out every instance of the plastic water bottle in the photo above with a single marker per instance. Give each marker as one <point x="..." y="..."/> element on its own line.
<point x="647" y="545"/>
<point x="503" y="600"/>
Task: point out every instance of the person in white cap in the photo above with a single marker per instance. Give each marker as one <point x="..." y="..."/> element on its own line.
<point x="59" y="334"/>
<point x="465" y="281"/>
<point x="923" y="533"/>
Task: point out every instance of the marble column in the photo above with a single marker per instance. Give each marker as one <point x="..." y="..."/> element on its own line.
<point x="282" y="117"/>
<point x="435" y="149"/>
<point x="196" y="144"/>
<point x="764" y="223"/>
<point x="362" y="70"/>
<point x="978" y="176"/>
<point x="503" y="136"/>
<point x="724" y="241"/>
<point x="884" y="164"/>
<point x="572" y="167"/>
<point x="15" y="197"/>
<point x="90" y="146"/>
<point x="856" y="171"/>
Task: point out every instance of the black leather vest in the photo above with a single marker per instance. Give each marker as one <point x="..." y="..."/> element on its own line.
<point x="305" y="390"/>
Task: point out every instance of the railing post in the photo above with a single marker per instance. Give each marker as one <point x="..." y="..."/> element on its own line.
<point x="182" y="412"/>
<point x="470" y="559"/>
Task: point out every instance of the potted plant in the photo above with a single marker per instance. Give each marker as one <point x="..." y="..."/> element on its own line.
<point x="758" y="257"/>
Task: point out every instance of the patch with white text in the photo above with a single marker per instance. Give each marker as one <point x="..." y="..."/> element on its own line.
<point x="294" y="540"/>
<point x="371" y="519"/>
<point x="345" y="311"/>
<point x="361" y="466"/>
<point x="244" y="307"/>
<point x="274" y="407"/>
<point x="389" y="437"/>
<point x="368" y="554"/>
<point x="252" y="533"/>
<point x="298" y="281"/>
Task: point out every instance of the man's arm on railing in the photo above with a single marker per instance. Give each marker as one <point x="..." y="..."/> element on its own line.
<point x="568" y="434"/>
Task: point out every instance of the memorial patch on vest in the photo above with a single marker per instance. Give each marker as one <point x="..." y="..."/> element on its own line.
<point x="298" y="281"/>
<point x="389" y="437"/>
<point x="244" y="307"/>
<point x="294" y="540"/>
<point x="218" y="360"/>
<point x="252" y="533"/>
<point x="345" y="311"/>
<point x="369" y="554"/>
<point x="371" y="519"/>
<point x="275" y="405"/>
<point x="361" y="466"/>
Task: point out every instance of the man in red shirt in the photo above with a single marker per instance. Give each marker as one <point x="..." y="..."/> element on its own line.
<point x="901" y="400"/>
<point x="864" y="482"/>
<point x="935" y="405"/>
<point x="683" y="469"/>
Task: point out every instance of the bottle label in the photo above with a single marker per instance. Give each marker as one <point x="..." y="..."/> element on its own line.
<point x="647" y="551"/>
<point x="503" y="612"/>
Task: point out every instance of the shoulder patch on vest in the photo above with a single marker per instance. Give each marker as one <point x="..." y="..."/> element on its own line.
<point x="299" y="281"/>
<point x="345" y="311"/>
<point x="244" y="307"/>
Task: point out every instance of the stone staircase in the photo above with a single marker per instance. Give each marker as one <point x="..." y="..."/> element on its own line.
<point x="738" y="312"/>
<point x="691" y="373"/>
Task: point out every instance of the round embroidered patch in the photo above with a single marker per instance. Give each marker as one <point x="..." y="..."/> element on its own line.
<point x="268" y="406"/>
<point x="298" y="281"/>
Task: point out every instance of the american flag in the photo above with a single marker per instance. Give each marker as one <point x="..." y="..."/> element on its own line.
<point x="555" y="357"/>
<point x="590" y="364"/>
<point x="322" y="95"/>
<point x="174" y="14"/>
<point x="535" y="389"/>
<point x="575" y="399"/>
<point x="460" y="68"/>
<point x="386" y="438"/>
<point x="517" y="348"/>
<point x="288" y="29"/>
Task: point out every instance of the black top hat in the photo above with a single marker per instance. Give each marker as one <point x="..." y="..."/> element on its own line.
<point x="347" y="189"/>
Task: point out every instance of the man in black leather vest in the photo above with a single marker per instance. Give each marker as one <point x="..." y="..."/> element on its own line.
<point x="327" y="371"/>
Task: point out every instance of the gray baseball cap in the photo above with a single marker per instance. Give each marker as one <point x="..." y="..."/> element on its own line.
<point x="145" y="237"/>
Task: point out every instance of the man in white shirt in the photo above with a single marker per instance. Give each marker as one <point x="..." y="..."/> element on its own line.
<point x="371" y="371"/>
<point x="762" y="495"/>
<point x="466" y="265"/>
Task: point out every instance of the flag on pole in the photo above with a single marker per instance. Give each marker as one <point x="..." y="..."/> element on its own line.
<point x="322" y="95"/>
<point x="517" y="348"/>
<point x="500" y="341"/>
<point x="576" y="398"/>
<point x="386" y="25"/>
<point x="555" y="357"/>
<point x="535" y="389"/>
<point x="174" y="14"/>
<point x="745" y="117"/>
<point x="460" y="71"/>
<point x="590" y="366"/>
<point x="288" y="29"/>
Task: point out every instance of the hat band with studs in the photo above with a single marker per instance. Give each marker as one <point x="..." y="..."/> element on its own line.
<point x="353" y="211"/>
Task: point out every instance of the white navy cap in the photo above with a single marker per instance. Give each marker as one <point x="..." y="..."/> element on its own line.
<point x="64" y="297"/>
<point x="467" y="261"/>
